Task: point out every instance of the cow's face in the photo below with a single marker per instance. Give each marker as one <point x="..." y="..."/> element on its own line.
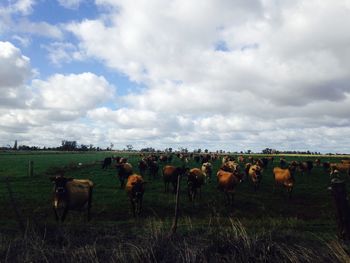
<point x="258" y="171"/>
<point x="59" y="188"/>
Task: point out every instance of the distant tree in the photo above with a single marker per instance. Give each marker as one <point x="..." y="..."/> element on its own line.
<point x="111" y="146"/>
<point x="267" y="151"/>
<point x="206" y="151"/>
<point x="15" y="146"/>
<point x="69" y="145"/>
<point x="129" y="147"/>
<point x="84" y="147"/>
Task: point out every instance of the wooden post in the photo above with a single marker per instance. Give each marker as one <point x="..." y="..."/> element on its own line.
<point x="338" y="189"/>
<point x="30" y="168"/>
<point x="174" y="226"/>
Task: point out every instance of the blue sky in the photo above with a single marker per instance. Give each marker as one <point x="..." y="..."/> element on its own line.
<point x="231" y="75"/>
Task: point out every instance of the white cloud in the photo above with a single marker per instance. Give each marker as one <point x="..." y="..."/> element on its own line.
<point x="23" y="6"/>
<point x="37" y="28"/>
<point x="280" y="69"/>
<point x="74" y="92"/>
<point x="217" y="74"/>
<point x="14" y="67"/>
<point x="15" y="71"/>
<point x="63" y="52"/>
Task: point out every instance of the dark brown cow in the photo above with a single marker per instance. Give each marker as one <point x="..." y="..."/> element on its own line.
<point x="71" y="194"/>
<point x="195" y="180"/>
<point x="170" y="175"/>
<point x="153" y="167"/>
<point x="283" y="162"/>
<point x="124" y="171"/>
<point x="163" y="158"/>
<point x="305" y="167"/>
<point x="143" y="167"/>
<point x="107" y="162"/>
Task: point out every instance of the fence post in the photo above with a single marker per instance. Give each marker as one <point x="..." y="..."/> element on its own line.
<point x="30" y="168"/>
<point x="338" y="189"/>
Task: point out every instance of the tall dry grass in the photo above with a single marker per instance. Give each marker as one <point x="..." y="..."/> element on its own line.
<point x="150" y="242"/>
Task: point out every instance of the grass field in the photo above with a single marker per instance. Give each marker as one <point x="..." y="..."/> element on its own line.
<point x="307" y="220"/>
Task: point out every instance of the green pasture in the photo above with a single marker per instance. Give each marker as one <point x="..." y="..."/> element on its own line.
<point x="310" y="209"/>
<point x="261" y="226"/>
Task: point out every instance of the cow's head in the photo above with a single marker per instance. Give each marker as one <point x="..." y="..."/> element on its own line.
<point x="257" y="170"/>
<point x="59" y="188"/>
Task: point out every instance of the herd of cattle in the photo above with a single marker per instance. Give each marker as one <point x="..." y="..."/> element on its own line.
<point x="76" y="194"/>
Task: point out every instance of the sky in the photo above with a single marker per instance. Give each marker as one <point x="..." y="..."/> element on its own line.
<point x="235" y="75"/>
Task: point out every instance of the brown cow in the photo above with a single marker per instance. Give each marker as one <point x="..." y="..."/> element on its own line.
<point x="71" y="194"/>
<point x="241" y="159"/>
<point x="142" y="167"/>
<point x="305" y="167"/>
<point x="207" y="170"/>
<point x="195" y="180"/>
<point x="229" y="166"/>
<point x="153" y="167"/>
<point x="170" y="175"/>
<point x="255" y="175"/>
<point x="284" y="177"/>
<point x="341" y="167"/>
<point x="317" y="162"/>
<point x="227" y="182"/>
<point x="135" y="190"/>
<point x="124" y="171"/>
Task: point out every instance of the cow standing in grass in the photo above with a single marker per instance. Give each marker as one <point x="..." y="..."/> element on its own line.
<point x="227" y="182"/>
<point x="255" y="174"/>
<point x="195" y="180"/>
<point x="153" y="167"/>
<point x="124" y="171"/>
<point x="285" y="178"/>
<point x="107" y="162"/>
<point x="143" y="167"/>
<point x="207" y="170"/>
<point x="306" y="167"/>
<point x="170" y="175"/>
<point x="135" y="190"/>
<point x="71" y="194"/>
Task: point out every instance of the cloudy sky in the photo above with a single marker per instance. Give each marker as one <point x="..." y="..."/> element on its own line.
<point x="216" y="74"/>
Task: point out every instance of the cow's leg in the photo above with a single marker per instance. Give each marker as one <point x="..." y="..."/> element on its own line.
<point x="55" y="213"/>
<point x="65" y="211"/>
